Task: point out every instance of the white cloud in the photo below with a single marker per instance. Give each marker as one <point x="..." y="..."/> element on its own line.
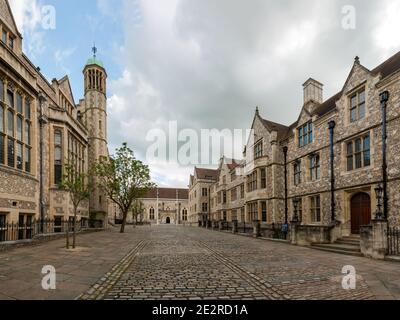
<point x="60" y="57"/>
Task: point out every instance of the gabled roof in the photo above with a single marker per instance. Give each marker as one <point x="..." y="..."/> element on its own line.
<point x="167" y="193"/>
<point x="65" y="86"/>
<point x="8" y="17"/>
<point x="206" y="174"/>
<point x="273" y="126"/>
<point x="388" y="67"/>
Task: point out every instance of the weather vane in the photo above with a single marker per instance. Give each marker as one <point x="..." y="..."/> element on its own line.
<point x="94" y="49"/>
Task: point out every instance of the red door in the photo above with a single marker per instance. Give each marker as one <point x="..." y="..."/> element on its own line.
<point x="360" y="212"/>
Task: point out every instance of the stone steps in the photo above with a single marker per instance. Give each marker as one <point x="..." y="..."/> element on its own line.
<point x="347" y="245"/>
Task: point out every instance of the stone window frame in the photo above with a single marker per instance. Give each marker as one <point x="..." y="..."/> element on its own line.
<point x="184" y="214"/>
<point x="297" y="178"/>
<point x="263" y="178"/>
<point x="315" y="167"/>
<point x="252" y="210"/>
<point x="315" y="209"/>
<point x="258" y="149"/>
<point x="359" y="106"/>
<point x="152" y="214"/>
<point x="204" y="207"/>
<point x="204" y="192"/>
<point x="252" y="181"/>
<point x="58" y="164"/>
<point x="305" y="134"/>
<point x="264" y="212"/>
<point x="363" y="153"/>
<point x="17" y="147"/>
<point x="299" y="208"/>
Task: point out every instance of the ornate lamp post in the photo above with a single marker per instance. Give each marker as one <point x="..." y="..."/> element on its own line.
<point x="384" y="98"/>
<point x="379" y="194"/>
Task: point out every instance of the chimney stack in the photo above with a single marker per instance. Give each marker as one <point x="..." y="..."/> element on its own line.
<point x="313" y="91"/>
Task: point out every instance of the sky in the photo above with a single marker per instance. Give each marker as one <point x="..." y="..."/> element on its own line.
<point x="205" y="64"/>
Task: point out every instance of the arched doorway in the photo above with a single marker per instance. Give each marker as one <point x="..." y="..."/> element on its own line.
<point x="168" y="221"/>
<point x="360" y="212"/>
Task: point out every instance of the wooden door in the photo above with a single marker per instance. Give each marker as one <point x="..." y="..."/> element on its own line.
<point x="360" y="212"/>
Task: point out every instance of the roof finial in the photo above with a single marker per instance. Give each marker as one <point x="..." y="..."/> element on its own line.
<point x="357" y="59"/>
<point x="94" y="50"/>
<point x="257" y="111"/>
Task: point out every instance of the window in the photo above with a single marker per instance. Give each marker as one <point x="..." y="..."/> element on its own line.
<point x="242" y="214"/>
<point x="10" y="153"/>
<point x="253" y="210"/>
<point x="27" y="159"/>
<point x="252" y="182"/>
<point x="10" y="123"/>
<point x="204" y="207"/>
<point x="258" y="150"/>
<point x="20" y="163"/>
<point x="27" y="109"/>
<point x="263" y="212"/>
<point x="1" y="149"/>
<point x="263" y="178"/>
<point x="1" y="119"/>
<point x="4" y="36"/>
<point x="234" y="215"/>
<point x="359" y="153"/>
<point x="224" y="197"/>
<point x="204" y="192"/>
<point x="11" y="42"/>
<point x="242" y="191"/>
<point x="57" y="157"/>
<point x="224" y="216"/>
<point x="357" y="106"/>
<point x="27" y="133"/>
<point x="224" y="179"/>
<point x="315" y="167"/>
<point x="10" y="98"/>
<point x="152" y="216"/>
<point x="233" y="177"/>
<point x="297" y="173"/>
<point x="316" y="209"/>
<point x="19" y="128"/>
<point x="299" y="208"/>
<point x="305" y="134"/>
<point x="184" y="215"/>
<point x="233" y="194"/>
<point x="19" y="103"/>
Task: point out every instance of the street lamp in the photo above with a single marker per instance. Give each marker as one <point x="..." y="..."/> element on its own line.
<point x="379" y="194"/>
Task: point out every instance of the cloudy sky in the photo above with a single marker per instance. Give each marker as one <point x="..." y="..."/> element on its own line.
<point x="206" y="63"/>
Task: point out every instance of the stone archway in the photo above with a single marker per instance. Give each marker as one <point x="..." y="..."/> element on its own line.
<point x="360" y="205"/>
<point x="168" y="220"/>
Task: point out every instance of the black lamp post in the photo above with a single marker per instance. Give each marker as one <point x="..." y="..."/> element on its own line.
<point x="379" y="194"/>
<point x="384" y="98"/>
<point x="285" y="152"/>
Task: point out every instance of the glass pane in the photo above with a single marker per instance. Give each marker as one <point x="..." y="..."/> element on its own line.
<point x="19" y="103"/>
<point x="10" y="98"/>
<point x="366" y="143"/>
<point x="10" y="123"/>
<point x="1" y="119"/>
<point x="27" y="133"/>
<point x="57" y="154"/>
<point x="57" y="138"/>
<point x="19" y="156"/>
<point x="361" y="97"/>
<point x="361" y="111"/>
<point x="358" y="145"/>
<point x="350" y="148"/>
<point x="10" y="153"/>
<point x="367" y="158"/>
<point x="19" y="129"/>
<point x="353" y="103"/>
<point x="27" y="109"/>
<point x="358" y="161"/>
<point x="353" y="115"/>
<point x="349" y="163"/>
<point x="27" y="159"/>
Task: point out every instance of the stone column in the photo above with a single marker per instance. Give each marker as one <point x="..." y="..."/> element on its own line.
<point x="234" y="226"/>
<point x="379" y="238"/>
<point x="256" y="228"/>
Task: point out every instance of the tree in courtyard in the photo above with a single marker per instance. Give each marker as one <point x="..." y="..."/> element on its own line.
<point x="76" y="184"/>
<point x="137" y="209"/>
<point x="123" y="179"/>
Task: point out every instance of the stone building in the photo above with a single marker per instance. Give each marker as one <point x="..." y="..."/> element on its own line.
<point x="200" y="195"/>
<point x="343" y="132"/>
<point x="161" y="206"/>
<point x="42" y="129"/>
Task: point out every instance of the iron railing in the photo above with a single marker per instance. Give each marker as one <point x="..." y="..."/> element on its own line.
<point x="27" y="231"/>
<point x="394" y="241"/>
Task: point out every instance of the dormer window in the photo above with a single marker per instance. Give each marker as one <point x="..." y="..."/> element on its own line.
<point x="305" y="134"/>
<point x="357" y="106"/>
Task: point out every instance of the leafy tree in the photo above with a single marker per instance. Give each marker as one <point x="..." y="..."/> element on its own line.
<point x="123" y="179"/>
<point x="76" y="184"/>
<point x="137" y="209"/>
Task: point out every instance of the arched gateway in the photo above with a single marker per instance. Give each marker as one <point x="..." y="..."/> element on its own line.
<point x="360" y="211"/>
<point x="168" y="221"/>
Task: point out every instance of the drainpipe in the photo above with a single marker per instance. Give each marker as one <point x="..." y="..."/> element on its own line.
<point x="42" y="122"/>
<point x="384" y="98"/>
<point x="285" y="151"/>
<point x="332" y="126"/>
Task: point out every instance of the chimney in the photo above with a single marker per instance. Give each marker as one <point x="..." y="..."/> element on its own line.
<point x="313" y="91"/>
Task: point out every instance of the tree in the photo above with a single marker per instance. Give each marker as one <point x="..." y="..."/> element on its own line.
<point x="123" y="179"/>
<point x="137" y="209"/>
<point x="76" y="184"/>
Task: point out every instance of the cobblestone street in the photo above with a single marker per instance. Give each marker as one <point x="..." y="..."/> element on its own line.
<point x="170" y="262"/>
